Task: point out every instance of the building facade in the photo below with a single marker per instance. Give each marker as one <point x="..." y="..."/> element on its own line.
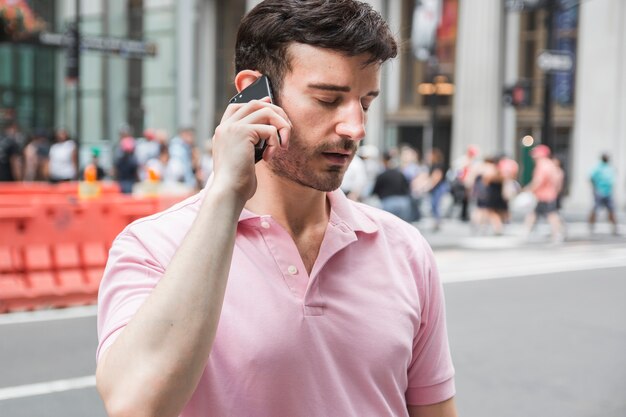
<point x="449" y="88"/>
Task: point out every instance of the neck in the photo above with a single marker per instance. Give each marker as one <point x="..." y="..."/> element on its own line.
<point x="295" y="206"/>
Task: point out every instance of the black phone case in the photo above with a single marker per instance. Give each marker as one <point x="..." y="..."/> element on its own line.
<point x="256" y="91"/>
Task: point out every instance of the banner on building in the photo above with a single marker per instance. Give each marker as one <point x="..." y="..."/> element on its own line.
<point x="434" y="30"/>
<point x="426" y="19"/>
<point x="566" y="23"/>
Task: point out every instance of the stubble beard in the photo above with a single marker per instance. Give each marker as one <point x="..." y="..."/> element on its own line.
<point x="296" y="164"/>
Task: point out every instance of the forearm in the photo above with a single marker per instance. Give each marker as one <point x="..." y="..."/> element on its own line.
<point x="155" y="364"/>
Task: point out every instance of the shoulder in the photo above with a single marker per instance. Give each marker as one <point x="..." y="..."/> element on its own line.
<point x="161" y="233"/>
<point x="401" y="245"/>
<point x="394" y="232"/>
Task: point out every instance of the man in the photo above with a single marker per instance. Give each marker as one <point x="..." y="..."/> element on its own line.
<point x="355" y="179"/>
<point x="10" y="154"/>
<point x="270" y="293"/>
<point x="546" y="183"/>
<point x="62" y="158"/>
<point x="181" y="154"/>
<point x="602" y="180"/>
<point x="393" y="189"/>
<point x="465" y="169"/>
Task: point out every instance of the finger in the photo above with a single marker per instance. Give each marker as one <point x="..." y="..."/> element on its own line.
<point x="284" y="135"/>
<point x="272" y="144"/>
<point x="269" y="134"/>
<point x="266" y="116"/>
<point x="238" y="111"/>
<point x="230" y="111"/>
<point x="259" y="132"/>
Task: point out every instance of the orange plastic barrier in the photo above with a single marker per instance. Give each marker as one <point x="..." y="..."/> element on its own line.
<point x="54" y="246"/>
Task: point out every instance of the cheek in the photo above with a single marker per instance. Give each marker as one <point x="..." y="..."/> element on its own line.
<point x="304" y="116"/>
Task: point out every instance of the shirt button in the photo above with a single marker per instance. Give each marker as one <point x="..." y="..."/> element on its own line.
<point x="265" y="225"/>
<point x="292" y="270"/>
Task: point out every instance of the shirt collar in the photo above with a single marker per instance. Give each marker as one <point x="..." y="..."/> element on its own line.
<point x="343" y="211"/>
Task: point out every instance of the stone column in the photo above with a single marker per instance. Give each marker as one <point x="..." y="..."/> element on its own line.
<point x="511" y="74"/>
<point x="207" y="71"/>
<point x="478" y="83"/>
<point x="375" y="128"/>
<point x="185" y="64"/>
<point x="600" y="98"/>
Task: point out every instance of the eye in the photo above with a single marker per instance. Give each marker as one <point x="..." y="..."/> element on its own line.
<point x="328" y="102"/>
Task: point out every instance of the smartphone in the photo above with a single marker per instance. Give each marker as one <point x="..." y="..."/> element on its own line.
<point x="259" y="89"/>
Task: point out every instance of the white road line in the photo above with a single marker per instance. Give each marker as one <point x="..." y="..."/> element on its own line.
<point x="47" y="315"/>
<point x="44" y="388"/>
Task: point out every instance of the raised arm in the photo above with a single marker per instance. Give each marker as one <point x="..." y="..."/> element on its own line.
<point x="154" y="365"/>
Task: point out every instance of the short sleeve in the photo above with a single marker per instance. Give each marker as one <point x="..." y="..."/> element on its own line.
<point x="130" y="275"/>
<point x="431" y="372"/>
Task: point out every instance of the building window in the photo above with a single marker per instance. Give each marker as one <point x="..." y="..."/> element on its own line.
<point x="27" y="75"/>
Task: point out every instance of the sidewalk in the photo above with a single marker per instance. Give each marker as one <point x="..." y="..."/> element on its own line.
<point x="454" y="234"/>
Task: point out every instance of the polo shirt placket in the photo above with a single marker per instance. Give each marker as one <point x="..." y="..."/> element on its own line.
<point x="285" y="253"/>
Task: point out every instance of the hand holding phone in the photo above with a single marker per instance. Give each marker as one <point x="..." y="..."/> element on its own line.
<point x="258" y="90"/>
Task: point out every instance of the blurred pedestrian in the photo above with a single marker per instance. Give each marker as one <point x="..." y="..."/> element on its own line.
<point x="370" y="155"/>
<point x="464" y="174"/>
<point x="415" y="172"/>
<point x="393" y="189"/>
<point x="438" y="185"/>
<point x="355" y="179"/>
<point x="181" y="153"/>
<point x="491" y="207"/>
<point x="95" y="168"/>
<point x="205" y="163"/>
<point x="161" y="169"/>
<point x="602" y="179"/>
<point x="10" y="154"/>
<point x="546" y="183"/>
<point x="509" y="169"/>
<point x="146" y="147"/>
<point x="36" y="154"/>
<point x="126" y="165"/>
<point x="63" y="159"/>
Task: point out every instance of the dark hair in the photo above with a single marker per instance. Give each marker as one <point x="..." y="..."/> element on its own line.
<point x="347" y="26"/>
<point x="605" y="158"/>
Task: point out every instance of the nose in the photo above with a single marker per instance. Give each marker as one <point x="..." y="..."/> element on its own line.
<point x="352" y="123"/>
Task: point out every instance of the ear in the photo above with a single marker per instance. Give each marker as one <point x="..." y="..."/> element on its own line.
<point x="245" y="78"/>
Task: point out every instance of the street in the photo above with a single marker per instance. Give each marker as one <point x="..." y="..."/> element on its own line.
<point x="535" y="330"/>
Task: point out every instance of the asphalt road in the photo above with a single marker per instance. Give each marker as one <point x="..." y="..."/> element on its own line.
<point x="540" y="345"/>
<point x="550" y="345"/>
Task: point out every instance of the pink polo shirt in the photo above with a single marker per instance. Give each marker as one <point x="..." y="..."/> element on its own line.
<point x="362" y="335"/>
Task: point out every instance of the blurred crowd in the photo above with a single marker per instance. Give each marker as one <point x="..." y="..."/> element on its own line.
<point x="481" y="190"/>
<point x="154" y="156"/>
<point x="478" y="189"/>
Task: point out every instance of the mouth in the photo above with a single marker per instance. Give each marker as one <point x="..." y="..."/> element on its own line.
<point x="337" y="158"/>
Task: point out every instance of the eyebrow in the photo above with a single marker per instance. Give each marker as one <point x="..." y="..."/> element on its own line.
<point x="341" y="88"/>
